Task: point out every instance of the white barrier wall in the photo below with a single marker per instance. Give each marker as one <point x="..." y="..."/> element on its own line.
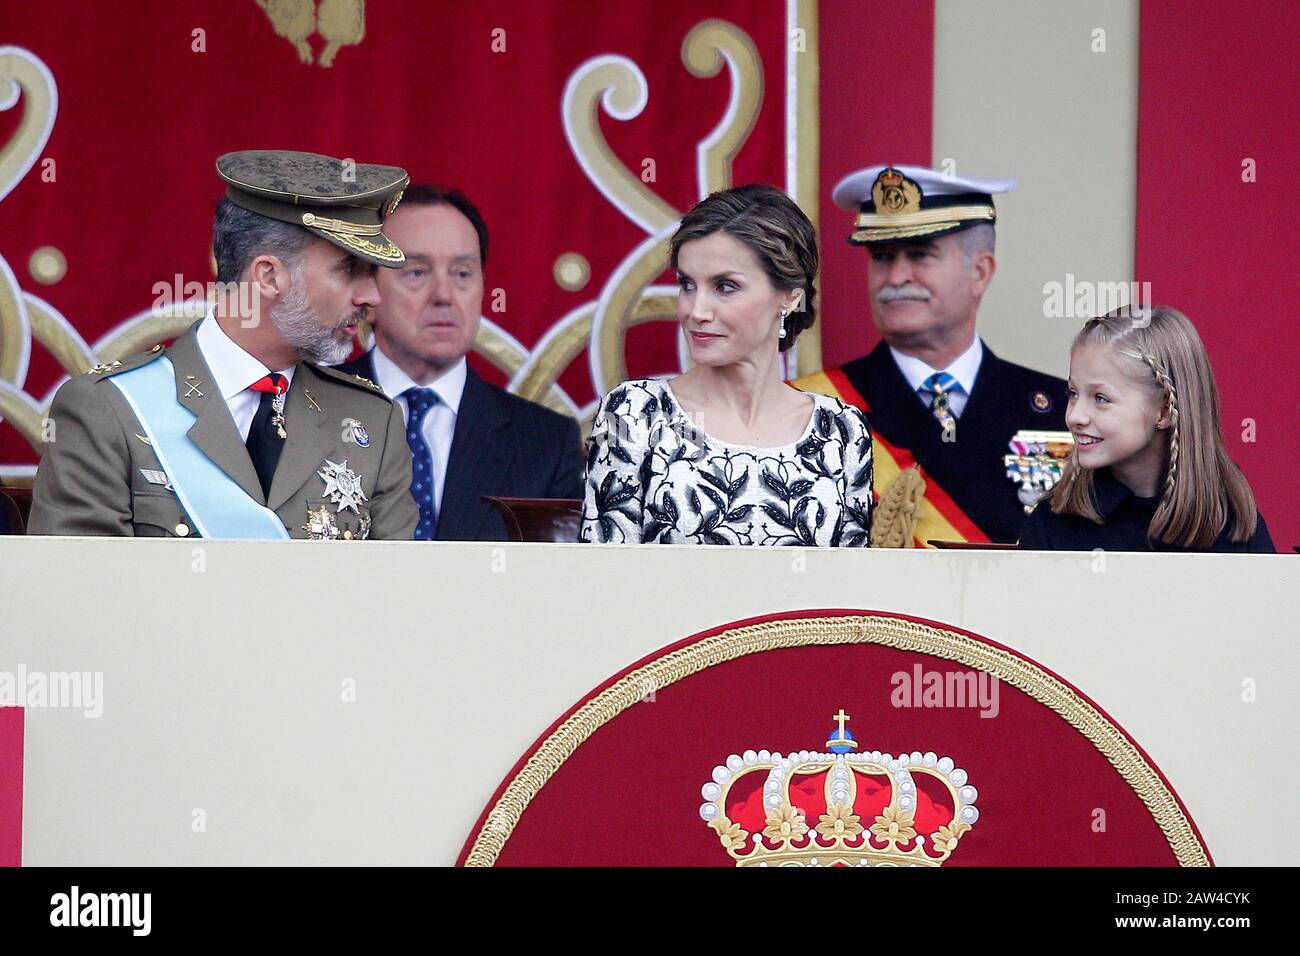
<point x="227" y="668"/>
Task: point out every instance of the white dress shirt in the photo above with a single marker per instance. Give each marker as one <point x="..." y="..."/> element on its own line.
<point x="234" y="370"/>
<point x="439" y="426"/>
<point x="964" y="369"/>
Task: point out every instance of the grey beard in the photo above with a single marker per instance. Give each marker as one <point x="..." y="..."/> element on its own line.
<point x="293" y="319"/>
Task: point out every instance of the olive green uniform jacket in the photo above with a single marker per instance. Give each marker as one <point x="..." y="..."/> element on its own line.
<point x="93" y="477"/>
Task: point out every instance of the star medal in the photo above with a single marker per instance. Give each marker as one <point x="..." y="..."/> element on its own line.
<point x="277" y="414"/>
<point x="342" y="486"/>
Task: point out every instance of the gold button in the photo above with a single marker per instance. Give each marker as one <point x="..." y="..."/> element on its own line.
<point x="182" y="529"/>
<point x="347" y="535"/>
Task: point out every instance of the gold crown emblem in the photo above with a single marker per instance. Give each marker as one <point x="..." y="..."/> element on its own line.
<point x="894" y="194"/>
<point x="873" y="809"/>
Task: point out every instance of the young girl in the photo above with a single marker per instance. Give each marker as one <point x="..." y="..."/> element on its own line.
<point x="1149" y="471"/>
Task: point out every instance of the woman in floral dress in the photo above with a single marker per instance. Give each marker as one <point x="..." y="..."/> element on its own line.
<point x="728" y="453"/>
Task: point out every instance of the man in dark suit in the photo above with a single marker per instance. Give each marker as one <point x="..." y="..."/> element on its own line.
<point x="468" y="438"/>
<point x="935" y="395"/>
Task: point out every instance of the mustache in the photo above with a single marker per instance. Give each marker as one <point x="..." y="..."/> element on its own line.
<point x="354" y="319"/>
<point x="892" y="293"/>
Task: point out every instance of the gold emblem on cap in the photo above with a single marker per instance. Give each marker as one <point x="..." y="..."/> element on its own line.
<point x="894" y="194"/>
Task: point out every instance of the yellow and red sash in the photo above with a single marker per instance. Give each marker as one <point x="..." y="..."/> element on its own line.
<point x="940" y="518"/>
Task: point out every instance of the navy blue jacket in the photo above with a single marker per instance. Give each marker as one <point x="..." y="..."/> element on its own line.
<point x="1006" y="399"/>
<point x="503" y="445"/>
<point x="1126" y="518"/>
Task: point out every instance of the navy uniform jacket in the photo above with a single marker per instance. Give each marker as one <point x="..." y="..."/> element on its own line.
<point x="503" y="445"/>
<point x="1126" y="517"/>
<point x="1006" y="399"/>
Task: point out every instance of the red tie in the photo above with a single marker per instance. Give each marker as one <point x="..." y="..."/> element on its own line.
<point x="272" y="384"/>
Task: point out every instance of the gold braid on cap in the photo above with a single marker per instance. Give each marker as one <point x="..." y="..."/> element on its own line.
<point x="339" y="225"/>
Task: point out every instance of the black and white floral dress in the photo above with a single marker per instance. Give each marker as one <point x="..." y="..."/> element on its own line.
<point x="652" y="475"/>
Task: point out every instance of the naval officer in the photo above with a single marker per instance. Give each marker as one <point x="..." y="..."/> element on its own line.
<point x="937" y="397"/>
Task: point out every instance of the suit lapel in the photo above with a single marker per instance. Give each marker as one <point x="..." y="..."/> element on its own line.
<point x="477" y="452"/>
<point x="214" y="432"/>
<point x="310" y="436"/>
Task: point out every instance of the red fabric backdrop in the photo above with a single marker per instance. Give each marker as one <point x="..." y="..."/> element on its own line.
<point x="11" y="786"/>
<point x="1219" y="86"/>
<point x="630" y="795"/>
<point x="877" y="106"/>
<point x="141" y="118"/>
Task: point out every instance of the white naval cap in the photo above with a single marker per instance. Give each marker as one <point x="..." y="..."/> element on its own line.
<point x="900" y="203"/>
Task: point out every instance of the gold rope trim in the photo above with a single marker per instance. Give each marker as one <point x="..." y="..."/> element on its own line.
<point x="824" y="631"/>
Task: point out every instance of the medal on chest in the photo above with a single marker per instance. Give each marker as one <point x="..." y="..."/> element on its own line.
<point x="1036" y="461"/>
<point x="342" y="486"/>
<point x="277" y="414"/>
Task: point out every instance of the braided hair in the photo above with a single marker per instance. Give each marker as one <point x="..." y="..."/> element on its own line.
<point x="1203" y="492"/>
<point x="1171" y="403"/>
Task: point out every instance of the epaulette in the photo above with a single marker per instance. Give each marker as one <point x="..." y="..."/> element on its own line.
<point x="109" y="369"/>
<point x="347" y="378"/>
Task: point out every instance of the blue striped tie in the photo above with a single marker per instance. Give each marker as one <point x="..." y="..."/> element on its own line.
<point x="939" y="385"/>
<point x="418" y="403"/>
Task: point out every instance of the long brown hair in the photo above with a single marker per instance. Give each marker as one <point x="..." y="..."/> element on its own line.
<point x="1203" y="491"/>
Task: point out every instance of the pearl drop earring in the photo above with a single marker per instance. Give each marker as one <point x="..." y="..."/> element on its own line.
<point x="784" y="313"/>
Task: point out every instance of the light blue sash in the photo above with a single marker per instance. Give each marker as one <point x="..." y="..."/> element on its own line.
<point x="216" y="505"/>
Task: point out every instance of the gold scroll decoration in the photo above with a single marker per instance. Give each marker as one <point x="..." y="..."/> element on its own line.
<point x="20" y="73"/>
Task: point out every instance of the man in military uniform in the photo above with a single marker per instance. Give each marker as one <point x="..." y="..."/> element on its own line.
<point x="938" y="399"/>
<point x="238" y="430"/>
